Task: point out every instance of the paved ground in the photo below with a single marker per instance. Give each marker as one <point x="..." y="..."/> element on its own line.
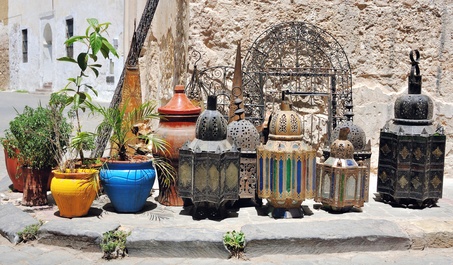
<point x="168" y="235"/>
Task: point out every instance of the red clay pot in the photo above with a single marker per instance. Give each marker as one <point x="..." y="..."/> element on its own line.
<point x="177" y="126"/>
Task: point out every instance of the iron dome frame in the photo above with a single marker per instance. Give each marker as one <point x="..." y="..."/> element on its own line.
<point x="298" y="57"/>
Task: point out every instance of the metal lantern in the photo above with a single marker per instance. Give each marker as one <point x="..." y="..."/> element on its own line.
<point x="362" y="149"/>
<point x="286" y="165"/>
<point x="246" y="137"/>
<point x="341" y="183"/>
<point x="209" y="166"/>
<point x="411" y="149"/>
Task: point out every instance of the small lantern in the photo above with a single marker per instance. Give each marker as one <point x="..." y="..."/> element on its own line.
<point x="246" y="137"/>
<point x="209" y="166"/>
<point x="286" y="165"/>
<point x="341" y="182"/>
<point x="411" y="149"/>
<point x="362" y="149"/>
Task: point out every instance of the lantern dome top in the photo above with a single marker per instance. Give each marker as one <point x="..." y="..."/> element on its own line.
<point x="414" y="108"/>
<point x="342" y="148"/>
<point x="211" y="125"/>
<point x="242" y="132"/>
<point x="285" y="122"/>
<point x="356" y="135"/>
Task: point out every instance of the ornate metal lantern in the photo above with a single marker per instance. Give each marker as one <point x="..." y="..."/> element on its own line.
<point x="209" y="166"/>
<point x="362" y="149"/>
<point x="246" y="137"/>
<point x="341" y="183"/>
<point x="411" y="149"/>
<point x="286" y="165"/>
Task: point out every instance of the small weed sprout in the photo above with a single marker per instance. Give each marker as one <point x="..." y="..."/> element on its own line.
<point x="30" y="232"/>
<point x="235" y="243"/>
<point x="114" y="244"/>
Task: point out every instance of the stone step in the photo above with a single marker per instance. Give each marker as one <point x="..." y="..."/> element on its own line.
<point x="13" y="221"/>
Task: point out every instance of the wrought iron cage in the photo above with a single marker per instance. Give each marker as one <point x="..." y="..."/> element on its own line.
<point x="293" y="56"/>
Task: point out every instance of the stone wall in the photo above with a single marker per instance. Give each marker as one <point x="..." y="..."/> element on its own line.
<point x="163" y="61"/>
<point x="377" y="37"/>
<point x="4" y="58"/>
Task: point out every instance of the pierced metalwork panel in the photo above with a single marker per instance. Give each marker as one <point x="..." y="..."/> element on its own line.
<point x="300" y="57"/>
<point x="293" y="56"/>
<point x="218" y="81"/>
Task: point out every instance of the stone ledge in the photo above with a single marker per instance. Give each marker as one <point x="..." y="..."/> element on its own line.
<point x="14" y="220"/>
<point x="176" y="242"/>
<point x="325" y="237"/>
<point x="79" y="234"/>
<point x="430" y="233"/>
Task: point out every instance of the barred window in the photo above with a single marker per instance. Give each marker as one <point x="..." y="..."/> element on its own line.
<point x="69" y="34"/>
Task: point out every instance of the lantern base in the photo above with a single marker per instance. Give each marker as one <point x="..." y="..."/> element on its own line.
<point x="285" y="213"/>
<point x="208" y="210"/>
<point x="345" y="209"/>
<point x="407" y="202"/>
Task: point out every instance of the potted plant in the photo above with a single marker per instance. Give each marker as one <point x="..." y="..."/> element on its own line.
<point x="34" y="132"/>
<point x="74" y="187"/>
<point x="128" y="179"/>
<point x="13" y="168"/>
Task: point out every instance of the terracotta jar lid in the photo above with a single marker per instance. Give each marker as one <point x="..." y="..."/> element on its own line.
<point x="179" y="104"/>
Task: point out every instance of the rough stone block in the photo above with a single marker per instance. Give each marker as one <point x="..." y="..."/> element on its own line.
<point x="79" y="234"/>
<point x="176" y="242"/>
<point x="14" y="220"/>
<point x="324" y="237"/>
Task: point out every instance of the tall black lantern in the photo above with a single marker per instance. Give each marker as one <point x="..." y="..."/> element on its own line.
<point x="209" y="166"/>
<point x="412" y="149"/>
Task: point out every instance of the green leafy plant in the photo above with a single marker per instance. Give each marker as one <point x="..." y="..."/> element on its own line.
<point x="34" y="132"/>
<point x="77" y="90"/>
<point x="113" y="244"/>
<point x="30" y="232"/>
<point x="123" y="122"/>
<point x="10" y="144"/>
<point x="235" y="243"/>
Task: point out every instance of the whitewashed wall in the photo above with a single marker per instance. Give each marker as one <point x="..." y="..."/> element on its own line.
<point x="42" y="66"/>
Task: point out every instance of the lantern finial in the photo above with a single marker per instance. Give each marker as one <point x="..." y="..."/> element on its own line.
<point x="344" y="133"/>
<point x="415" y="79"/>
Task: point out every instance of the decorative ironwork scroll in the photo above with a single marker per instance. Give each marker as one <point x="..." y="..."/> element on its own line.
<point x="300" y="57"/>
<point x="218" y="81"/>
<point x="293" y="56"/>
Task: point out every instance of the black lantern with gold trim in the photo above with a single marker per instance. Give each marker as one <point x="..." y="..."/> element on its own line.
<point x="209" y="166"/>
<point x="412" y="149"/>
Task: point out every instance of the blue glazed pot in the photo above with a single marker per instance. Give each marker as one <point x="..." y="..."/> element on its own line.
<point x="127" y="184"/>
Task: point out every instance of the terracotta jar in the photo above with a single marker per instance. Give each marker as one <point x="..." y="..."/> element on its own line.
<point x="176" y="126"/>
<point x="14" y="170"/>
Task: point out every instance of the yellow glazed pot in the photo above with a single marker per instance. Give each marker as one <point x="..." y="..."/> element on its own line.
<point x="74" y="192"/>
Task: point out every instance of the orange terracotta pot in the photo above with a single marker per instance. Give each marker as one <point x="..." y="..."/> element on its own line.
<point x="74" y="192"/>
<point x="14" y="170"/>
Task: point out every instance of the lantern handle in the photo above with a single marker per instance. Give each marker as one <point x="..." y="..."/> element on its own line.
<point x="415" y="62"/>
